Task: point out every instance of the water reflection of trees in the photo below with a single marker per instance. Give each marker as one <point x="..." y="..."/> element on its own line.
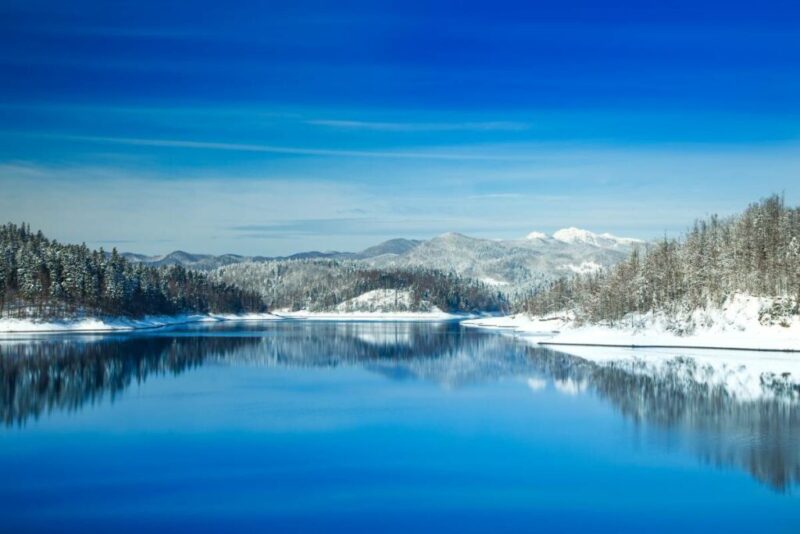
<point x="64" y="374"/>
<point x="42" y="376"/>
<point x="761" y="436"/>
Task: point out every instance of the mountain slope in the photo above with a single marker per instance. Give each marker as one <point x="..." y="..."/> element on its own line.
<point x="517" y="262"/>
<point x="392" y="246"/>
<point x="514" y="262"/>
<point x="209" y="262"/>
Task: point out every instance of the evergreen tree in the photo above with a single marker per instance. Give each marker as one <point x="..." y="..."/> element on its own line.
<point x="755" y="253"/>
<point x="40" y="278"/>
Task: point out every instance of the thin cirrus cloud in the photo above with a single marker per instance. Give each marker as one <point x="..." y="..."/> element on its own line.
<point x="275" y="149"/>
<point x="302" y="227"/>
<point x="373" y="226"/>
<point x="420" y="126"/>
<point x="379" y="227"/>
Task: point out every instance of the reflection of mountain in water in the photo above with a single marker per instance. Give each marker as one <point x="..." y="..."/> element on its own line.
<point x="436" y="352"/>
<point x="762" y="437"/>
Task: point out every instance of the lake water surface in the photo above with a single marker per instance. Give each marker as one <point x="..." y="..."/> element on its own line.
<point x="290" y="425"/>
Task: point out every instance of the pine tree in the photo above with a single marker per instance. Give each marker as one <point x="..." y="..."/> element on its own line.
<point x="40" y="277"/>
<point x="757" y="252"/>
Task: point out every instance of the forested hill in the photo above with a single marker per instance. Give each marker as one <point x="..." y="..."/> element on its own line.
<point x="328" y="285"/>
<point x="40" y="277"/>
<point x="756" y="252"/>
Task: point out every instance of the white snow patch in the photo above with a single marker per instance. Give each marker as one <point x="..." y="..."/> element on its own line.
<point x="587" y="267"/>
<point x="545" y="326"/>
<point x="382" y="300"/>
<point x="377" y="305"/>
<point x="574" y="235"/>
<point x="489" y="281"/>
<point x="536" y="235"/>
<point x="736" y="324"/>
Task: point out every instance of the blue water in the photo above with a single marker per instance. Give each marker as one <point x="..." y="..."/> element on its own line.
<point x="296" y="426"/>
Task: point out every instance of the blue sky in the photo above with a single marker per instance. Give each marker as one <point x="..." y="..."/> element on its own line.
<point x="273" y="127"/>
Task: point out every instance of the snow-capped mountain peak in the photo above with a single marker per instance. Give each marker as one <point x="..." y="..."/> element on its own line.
<point x="536" y="235"/>
<point x="574" y="235"/>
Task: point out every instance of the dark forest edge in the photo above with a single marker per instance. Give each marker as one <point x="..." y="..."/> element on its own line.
<point x="42" y="278"/>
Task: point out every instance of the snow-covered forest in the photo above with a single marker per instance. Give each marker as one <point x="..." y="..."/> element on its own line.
<point x="42" y="278"/>
<point x="755" y="253"/>
<point x="321" y="285"/>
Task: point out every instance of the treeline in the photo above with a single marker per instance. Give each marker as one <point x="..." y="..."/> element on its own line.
<point x="40" y="277"/>
<point x="756" y="252"/>
<point x="320" y="285"/>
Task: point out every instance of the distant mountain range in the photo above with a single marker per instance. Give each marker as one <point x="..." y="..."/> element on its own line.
<point x="208" y="262"/>
<point x="515" y="262"/>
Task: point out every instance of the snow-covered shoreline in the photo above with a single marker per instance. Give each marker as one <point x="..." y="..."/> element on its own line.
<point x="378" y="305"/>
<point x="729" y="347"/>
<point x="89" y="325"/>
<point x="119" y="324"/>
<point x="433" y="316"/>
<point x="737" y="325"/>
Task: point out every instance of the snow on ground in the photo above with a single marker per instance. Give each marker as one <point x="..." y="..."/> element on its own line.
<point x="433" y="315"/>
<point x="377" y="305"/>
<point x="736" y="325"/>
<point x="587" y="267"/>
<point x="520" y="323"/>
<point x="536" y="235"/>
<point x="649" y="344"/>
<point x="381" y="300"/>
<point x="119" y="324"/>
<point x="577" y="235"/>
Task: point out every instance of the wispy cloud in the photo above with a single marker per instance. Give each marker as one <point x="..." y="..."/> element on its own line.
<point x="296" y="227"/>
<point x="470" y="155"/>
<point x="420" y="126"/>
<point x="278" y="208"/>
<point x="343" y="226"/>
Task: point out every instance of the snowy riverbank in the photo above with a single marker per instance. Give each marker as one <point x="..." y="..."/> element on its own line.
<point x="378" y="305"/>
<point x="433" y="315"/>
<point x="119" y="324"/>
<point x="125" y="324"/>
<point x="742" y="323"/>
<point x="732" y="346"/>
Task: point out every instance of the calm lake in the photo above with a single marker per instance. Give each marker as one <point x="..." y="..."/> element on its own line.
<point x="291" y="426"/>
